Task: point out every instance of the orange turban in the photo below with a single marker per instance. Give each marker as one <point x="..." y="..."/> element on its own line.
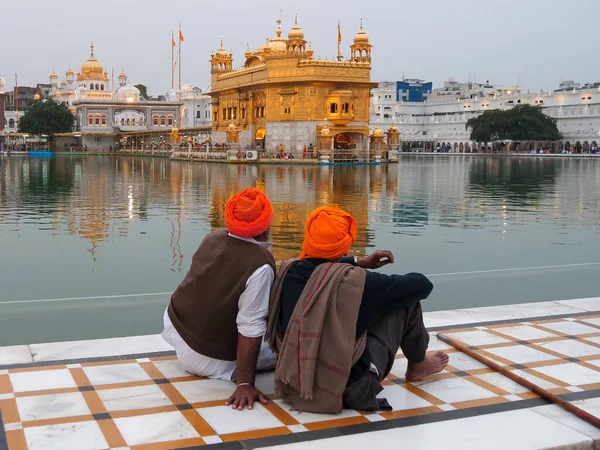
<point x="328" y="234"/>
<point x="248" y="213"/>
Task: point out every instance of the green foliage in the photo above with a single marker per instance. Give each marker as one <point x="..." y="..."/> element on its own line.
<point x="521" y="123"/>
<point x="47" y="117"/>
<point x="143" y="91"/>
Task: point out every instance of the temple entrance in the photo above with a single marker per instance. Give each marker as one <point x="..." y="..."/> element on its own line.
<point x="342" y="142"/>
<point x="259" y="138"/>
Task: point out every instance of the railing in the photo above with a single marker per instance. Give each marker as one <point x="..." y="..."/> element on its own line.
<point x="200" y="155"/>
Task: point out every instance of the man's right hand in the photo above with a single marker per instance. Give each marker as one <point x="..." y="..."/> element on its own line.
<point x="246" y="395"/>
<point x="376" y="260"/>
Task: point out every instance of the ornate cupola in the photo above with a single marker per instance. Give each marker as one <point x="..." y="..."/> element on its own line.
<point x="361" y="49"/>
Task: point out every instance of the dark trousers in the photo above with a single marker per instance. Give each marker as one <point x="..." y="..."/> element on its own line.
<point x="403" y="328"/>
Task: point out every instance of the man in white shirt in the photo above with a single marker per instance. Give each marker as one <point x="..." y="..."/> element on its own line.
<point x="217" y="316"/>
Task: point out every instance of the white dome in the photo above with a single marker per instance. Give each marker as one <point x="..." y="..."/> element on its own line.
<point x="128" y="93"/>
<point x="171" y="95"/>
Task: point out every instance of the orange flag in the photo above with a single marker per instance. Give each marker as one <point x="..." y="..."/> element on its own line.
<point x="180" y="36"/>
<point x="172" y="40"/>
<point x="339" y="34"/>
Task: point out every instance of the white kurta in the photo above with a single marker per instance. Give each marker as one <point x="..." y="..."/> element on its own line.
<point x="253" y="308"/>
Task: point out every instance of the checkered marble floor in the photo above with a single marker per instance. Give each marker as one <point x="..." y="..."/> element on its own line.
<point x="151" y="403"/>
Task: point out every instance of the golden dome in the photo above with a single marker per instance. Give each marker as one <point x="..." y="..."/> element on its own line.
<point x="221" y="51"/>
<point x="36" y="97"/>
<point x="70" y="72"/>
<point x="325" y="131"/>
<point x="123" y="75"/>
<point x="296" y="32"/>
<point x="377" y="132"/>
<point x="54" y="76"/>
<point x="92" y="65"/>
<point x="361" y="37"/>
<point x="63" y="83"/>
<point x="232" y="127"/>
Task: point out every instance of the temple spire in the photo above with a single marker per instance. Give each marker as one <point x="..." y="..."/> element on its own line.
<point x="92" y="48"/>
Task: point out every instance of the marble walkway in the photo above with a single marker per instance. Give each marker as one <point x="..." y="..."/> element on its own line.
<point x="130" y="393"/>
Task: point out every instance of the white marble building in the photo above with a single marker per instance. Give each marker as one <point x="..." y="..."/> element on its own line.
<point x="443" y="117"/>
<point x="196" y="110"/>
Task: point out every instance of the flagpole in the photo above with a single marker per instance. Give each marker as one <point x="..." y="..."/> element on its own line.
<point x="339" y="55"/>
<point x="17" y="99"/>
<point x="172" y="60"/>
<point x="179" y="55"/>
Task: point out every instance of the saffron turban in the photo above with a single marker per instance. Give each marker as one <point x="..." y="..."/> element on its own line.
<point x="328" y="234"/>
<point x="248" y="213"/>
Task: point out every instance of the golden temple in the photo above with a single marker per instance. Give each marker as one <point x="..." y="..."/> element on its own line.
<point x="284" y="95"/>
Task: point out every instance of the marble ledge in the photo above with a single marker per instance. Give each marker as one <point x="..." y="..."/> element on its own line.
<point x="519" y="430"/>
<point x="132" y="345"/>
<point x="559" y="415"/>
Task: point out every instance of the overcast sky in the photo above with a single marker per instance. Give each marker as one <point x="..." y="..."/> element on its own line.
<point x="536" y="42"/>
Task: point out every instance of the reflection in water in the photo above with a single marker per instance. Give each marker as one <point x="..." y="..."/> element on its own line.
<point x="134" y="212"/>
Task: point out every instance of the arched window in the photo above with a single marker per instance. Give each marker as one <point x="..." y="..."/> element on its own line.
<point x="262" y="111"/>
<point x="122" y="121"/>
<point x="128" y="122"/>
<point x="101" y="87"/>
<point x="170" y="123"/>
<point x="163" y="121"/>
<point x="155" y="121"/>
<point x="90" y="120"/>
<point x="97" y="87"/>
<point x="97" y="120"/>
<point x="103" y="120"/>
<point x="91" y="87"/>
<point x="11" y="123"/>
<point x="333" y="108"/>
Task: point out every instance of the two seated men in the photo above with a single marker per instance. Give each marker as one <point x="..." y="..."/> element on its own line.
<point x="330" y="328"/>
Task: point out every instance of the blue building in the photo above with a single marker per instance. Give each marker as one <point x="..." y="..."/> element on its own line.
<point x="413" y="90"/>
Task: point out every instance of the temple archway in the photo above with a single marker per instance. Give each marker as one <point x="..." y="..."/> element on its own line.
<point x="342" y="141"/>
<point x="259" y="138"/>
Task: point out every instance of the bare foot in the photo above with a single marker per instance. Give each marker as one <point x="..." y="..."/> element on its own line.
<point x="432" y="364"/>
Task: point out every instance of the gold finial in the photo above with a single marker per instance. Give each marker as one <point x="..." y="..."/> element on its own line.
<point x="296" y="18"/>
<point x="92" y="48"/>
<point x="361" y="23"/>
<point x="221" y="41"/>
<point x="248" y="46"/>
<point x="278" y="27"/>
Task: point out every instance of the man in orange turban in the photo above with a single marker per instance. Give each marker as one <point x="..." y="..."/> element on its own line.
<point x="325" y="300"/>
<point x="216" y="319"/>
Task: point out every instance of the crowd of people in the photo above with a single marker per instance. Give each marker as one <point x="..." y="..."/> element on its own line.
<point x="327" y="324"/>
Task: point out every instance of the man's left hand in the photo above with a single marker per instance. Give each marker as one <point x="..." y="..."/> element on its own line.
<point x="246" y="395"/>
<point x="376" y="260"/>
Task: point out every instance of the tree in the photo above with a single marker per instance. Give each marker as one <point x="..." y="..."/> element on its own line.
<point x="521" y="123"/>
<point x="47" y="117"/>
<point x="143" y="91"/>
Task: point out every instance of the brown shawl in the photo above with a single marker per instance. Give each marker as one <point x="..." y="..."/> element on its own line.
<point x="320" y="344"/>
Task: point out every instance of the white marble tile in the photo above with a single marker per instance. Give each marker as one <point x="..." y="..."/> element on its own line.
<point x="461" y="361"/>
<point x="4" y="372"/>
<point x="306" y="417"/>
<point x="160" y="427"/>
<point x="42" y="380"/>
<point x="73" y="366"/>
<point x="401" y="399"/>
<point x="594" y="339"/>
<point x="41" y="407"/>
<point x="66" y="436"/>
<point x="453" y="390"/>
<point x="298" y="428"/>
<point x="375" y="418"/>
<point x="130" y="398"/>
<point x="171" y="369"/>
<point x="436" y="344"/>
<point x="478" y="338"/>
<point x="116" y="373"/>
<point x="586" y="304"/>
<point x="99" y="347"/>
<point x="593" y="321"/>
<point x="13" y="426"/>
<point x="205" y="390"/>
<point x="558" y="414"/>
<point x="399" y="367"/>
<point x="573" y="374"/>
<point x="502" y="382"/>
<point x="574" y="389"/>
<point x="536" y="380"/>
<point x="212" y="440"/>
<point x="595" y="362"/>
<point x="512" y="398"/>
<point x="265" y="383"/>
<point x="571" y="328"/>
<point x="15" y="354"/>
<point x="570" y="348"/>
<point x="516" y="430"/>
<point x="143" y="360"/>
<point x="521" y="354"/>
<point x="225" y="420"/>
<point x="446" y="407"/>
<point x="496" y="313"/>
<point x="6" y="396"/>
<point x="524" y="332"/>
